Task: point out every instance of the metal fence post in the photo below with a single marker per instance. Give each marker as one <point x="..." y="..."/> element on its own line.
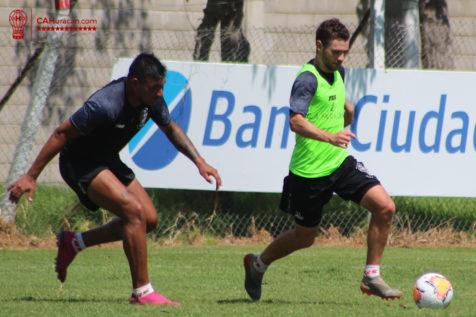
<point x="378" y="34"/>
<point x="31" y="122"/>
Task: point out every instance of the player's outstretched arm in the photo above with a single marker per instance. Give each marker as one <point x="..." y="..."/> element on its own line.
<point x="57" y="140"/>
<point x="182" y="142"/>
<point x="300" y="125"/>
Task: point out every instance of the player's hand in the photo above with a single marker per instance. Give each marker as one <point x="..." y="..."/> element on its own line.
<point x="207" y="172"/>
<point x="25" y="184"/>
<point x="342" y="138"/>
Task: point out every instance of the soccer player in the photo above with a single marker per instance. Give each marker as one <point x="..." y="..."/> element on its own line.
<point x="320" y="166"/>
<point x="89" y="143"/>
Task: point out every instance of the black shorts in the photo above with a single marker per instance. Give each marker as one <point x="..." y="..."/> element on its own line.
<point x="304" y="198"/>
<point x="79" y="173"/>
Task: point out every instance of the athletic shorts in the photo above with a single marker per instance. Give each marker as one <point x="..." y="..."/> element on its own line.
<point x="79" y="173"/>
<point x="304" y="198"/>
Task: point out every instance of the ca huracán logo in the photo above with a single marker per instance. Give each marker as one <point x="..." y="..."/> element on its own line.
<point x="18" y="19"/>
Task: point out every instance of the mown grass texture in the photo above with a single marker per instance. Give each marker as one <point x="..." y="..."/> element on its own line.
<point x="208" y="281"/>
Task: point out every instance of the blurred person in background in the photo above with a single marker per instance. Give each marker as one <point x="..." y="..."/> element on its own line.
<point x="229" y="14"/>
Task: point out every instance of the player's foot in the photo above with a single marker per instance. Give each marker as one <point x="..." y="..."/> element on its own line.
<point x="66" y="253"/>
<point x="376" y="286"/>
<point x="253" y="278"/>
<point x="153" y="298"/>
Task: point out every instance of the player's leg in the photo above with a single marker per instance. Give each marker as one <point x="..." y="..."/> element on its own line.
<point x="304" y="199"/>
<point x="83" y="177"/>
<point x="150" y="212"/>
<point x="381" y="206"/>
<point x="206" y="32"/>
<point x="112" y="231"/>
<point x="286" y="243"/>
<point x="231" y="35"/>
<point x="106" y="182"/>
<point x="356" y="184"/>
<point x="70" y="243"/>
<point x="77" y="174"/>
<point x="135" y="209"/>
<point x="109" y="193"/>
<point x="299" y="237"/>
<point x="147" y="295"/>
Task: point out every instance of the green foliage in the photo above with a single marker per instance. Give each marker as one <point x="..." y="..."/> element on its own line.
<point x="46" y="213"/>
<point x="55" y="206"/>
<point x="171" y="201"/>
<point x="423" y="213"/>
<point x="208" y="281"/>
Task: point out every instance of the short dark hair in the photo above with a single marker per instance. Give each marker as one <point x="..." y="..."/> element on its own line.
<point x="146" y="65"/>
<point x="330" y="30"/>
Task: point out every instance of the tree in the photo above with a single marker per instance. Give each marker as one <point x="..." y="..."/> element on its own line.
<point x="436" y="41"/>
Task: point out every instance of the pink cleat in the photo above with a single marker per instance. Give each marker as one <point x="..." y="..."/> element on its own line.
<point x="66" y="253"/>
<point x="153" y="298"/>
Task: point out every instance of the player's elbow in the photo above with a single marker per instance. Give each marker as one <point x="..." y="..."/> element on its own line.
<point x="65" y="131"/>
<point x="294" y="124"/>
<point x="59" y="134"/>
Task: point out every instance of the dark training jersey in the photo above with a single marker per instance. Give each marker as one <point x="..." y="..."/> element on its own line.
<point x="107" y="122"/>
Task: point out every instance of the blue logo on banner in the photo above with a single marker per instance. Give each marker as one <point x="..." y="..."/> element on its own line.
<point x="157" y="152"/>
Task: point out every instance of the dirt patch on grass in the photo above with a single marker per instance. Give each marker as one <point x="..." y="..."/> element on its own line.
<point x="439" y="237"/>
<point x="11" y="238"/>
<point x="332" y="237"/>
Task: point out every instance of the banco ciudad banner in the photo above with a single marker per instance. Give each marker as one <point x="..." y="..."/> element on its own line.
<point x="415" y="129"/>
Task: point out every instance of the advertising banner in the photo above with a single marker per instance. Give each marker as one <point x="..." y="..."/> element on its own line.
<point x="415" y="129"/>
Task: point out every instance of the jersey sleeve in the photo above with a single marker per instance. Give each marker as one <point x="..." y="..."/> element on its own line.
<point x="160" y="113"/>
<point x="302" y="92"/>
<point x="90" y="116"/>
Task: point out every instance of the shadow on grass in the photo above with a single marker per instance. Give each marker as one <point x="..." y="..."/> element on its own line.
<point x="64" y="300"/>
<point x="280" y="301"/>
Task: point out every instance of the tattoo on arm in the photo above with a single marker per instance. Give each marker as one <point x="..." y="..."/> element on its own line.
<point x="181" y="141"/>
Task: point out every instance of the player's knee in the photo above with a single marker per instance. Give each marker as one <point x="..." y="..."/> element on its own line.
<point x="307" y="242"/>
<point x="133" y="211"/>
<point x="152" y="221"/>
<point x="305" y="238"/>
<point x="387" y="211"/>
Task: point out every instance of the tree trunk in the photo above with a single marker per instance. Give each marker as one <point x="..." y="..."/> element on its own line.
<point x="436" y="37"/>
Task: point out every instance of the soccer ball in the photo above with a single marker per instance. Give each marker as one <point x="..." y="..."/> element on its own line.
<point x="432" y="290"/>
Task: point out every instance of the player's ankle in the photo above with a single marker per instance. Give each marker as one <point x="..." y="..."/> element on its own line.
<point x="78" y="242"/>
<point x="143" y="290"/>
<point x="372" y="270"/>
<point x="259" y="265"/>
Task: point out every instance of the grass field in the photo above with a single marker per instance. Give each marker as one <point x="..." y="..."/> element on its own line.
<point x="208" y="281"/>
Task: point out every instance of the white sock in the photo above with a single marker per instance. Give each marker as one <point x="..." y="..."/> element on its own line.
<point x="78" y="236"/>
<point x="259" y="265"/>
<point x="372" y="270"/>
<point x="143" y="290"/>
